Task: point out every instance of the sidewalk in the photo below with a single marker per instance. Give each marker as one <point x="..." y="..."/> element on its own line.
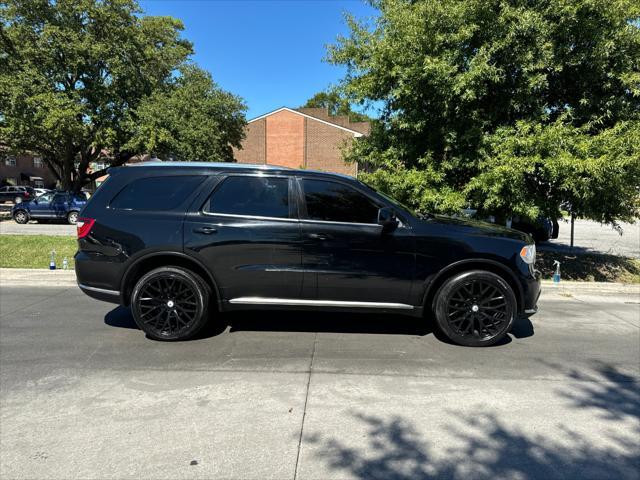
<point x="64" y="278"/>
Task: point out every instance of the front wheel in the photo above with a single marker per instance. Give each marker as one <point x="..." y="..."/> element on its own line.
<point x="21" y="217"/>
<point x="170" y="303"/>
<point x="475" y="308"/>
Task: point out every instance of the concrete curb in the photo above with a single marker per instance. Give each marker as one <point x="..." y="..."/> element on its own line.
<point x="39" y="277"/>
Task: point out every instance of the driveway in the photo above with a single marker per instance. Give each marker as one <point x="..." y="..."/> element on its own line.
<point x="83" y="394"/>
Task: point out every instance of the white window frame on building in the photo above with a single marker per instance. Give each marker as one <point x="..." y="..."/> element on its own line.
<point x="10" y="161"/>
<point x="37" y="162"/>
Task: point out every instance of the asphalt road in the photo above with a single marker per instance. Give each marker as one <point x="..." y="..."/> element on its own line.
<point x="83" y="394"/>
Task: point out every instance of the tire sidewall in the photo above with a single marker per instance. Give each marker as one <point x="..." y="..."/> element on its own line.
<point x="26" y="217"/>
<point x="202" y="298"/>
<point x="69" y="215"/>
<point x="442" y="297"/>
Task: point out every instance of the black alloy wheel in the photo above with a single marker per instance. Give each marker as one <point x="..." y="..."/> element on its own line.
<point x="475" y="308"/>
<point x="170" y="303"/>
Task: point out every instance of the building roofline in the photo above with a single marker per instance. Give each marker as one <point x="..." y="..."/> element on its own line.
<point x="355" y="133"/>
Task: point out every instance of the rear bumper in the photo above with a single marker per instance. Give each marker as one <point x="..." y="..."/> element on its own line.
<point x="98" y="277"/>
<point x="112" y="296"/>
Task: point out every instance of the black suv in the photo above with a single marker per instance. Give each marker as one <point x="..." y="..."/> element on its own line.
<point x="178" y="241"/>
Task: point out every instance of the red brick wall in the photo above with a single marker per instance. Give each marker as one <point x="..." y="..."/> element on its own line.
<point x="253" y="146"/>
<point x="285" y="139"/>
<point x="323" y="148"/>
<point x="291" y="140"/>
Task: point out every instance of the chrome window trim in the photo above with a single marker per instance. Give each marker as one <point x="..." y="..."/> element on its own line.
<point x="254" y="217"/>
<point x="316" y="303"/>
<point x="99" y="290"/>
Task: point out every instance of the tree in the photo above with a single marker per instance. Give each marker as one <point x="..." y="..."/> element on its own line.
<point x="336" y="104"/>
<point x="87" y="80"/>
<point x="469" y="86"/>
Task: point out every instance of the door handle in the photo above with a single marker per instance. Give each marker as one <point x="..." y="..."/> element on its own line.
<point x="319" y="236"/>
<point x="206" y="230"/>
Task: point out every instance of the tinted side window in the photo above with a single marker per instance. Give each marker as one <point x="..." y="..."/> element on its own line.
<point x="331" y="201"/>
<point x="156" y="193"/>
<point x="255" y="196"/>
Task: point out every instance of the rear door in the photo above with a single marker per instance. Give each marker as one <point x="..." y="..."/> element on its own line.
<point x="248" y="233"/>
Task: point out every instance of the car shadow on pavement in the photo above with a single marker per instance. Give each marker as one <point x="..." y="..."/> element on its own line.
<point x="335" y="322"/>
<point x="311" y="321"/>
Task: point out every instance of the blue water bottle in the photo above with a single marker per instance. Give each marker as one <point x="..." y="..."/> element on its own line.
<point x="52" y="262"/>
<point x="556" y="275"/>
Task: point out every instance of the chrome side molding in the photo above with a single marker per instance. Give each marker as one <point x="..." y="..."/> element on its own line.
<point x="99" y="290"/>
<point x="317" y="303"/>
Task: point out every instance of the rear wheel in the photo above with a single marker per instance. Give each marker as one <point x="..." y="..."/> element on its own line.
<point x="170" y="303"/>
<point x="21" y="216"/>
<point x="72" y="218"/>
<point x="475" y="308"/>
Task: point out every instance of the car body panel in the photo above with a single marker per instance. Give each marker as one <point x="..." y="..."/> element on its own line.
<point x="335" y="265"/>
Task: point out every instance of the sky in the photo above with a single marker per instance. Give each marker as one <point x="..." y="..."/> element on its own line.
<point x="266" y="51"/>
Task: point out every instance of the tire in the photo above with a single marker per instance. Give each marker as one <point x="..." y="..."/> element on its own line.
<point x="72" y="217"/>
<point x="170" y="303"/>
<point x="475" y="308"/>
<point x="17" y="200"/>
<point x="21" y="217"/>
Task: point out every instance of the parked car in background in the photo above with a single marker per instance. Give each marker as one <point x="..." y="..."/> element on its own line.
<point x="541" y="229"/>
<point x="52" y="206"/>
<point x="179" y="241"/>
<point x="41" y="191"/>
<point x="16" y="194"/>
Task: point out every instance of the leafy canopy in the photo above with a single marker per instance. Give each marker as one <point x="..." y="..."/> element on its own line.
<point x="337" y="104"/>
<point x="508" y="106"/>
<point x="88" y="80"/>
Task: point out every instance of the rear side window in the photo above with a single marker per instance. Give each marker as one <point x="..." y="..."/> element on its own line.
<point x="156" y="193"/>
<point x="253" y="196"/>
<point x="335" y="202"/>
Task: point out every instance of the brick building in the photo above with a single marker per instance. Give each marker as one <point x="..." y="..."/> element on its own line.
<point x="25" y="169"/>
<point x="301" y="138"/>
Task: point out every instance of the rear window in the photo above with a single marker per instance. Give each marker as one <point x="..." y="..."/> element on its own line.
<point x="156" y="193"/>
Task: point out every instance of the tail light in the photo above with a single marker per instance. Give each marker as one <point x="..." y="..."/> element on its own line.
<point x="84" y="226"/>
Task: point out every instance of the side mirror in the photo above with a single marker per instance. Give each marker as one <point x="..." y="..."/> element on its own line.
<point x="387" y="218"/>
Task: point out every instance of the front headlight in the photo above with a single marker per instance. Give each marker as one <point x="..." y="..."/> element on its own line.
<point x="528" y="254"/>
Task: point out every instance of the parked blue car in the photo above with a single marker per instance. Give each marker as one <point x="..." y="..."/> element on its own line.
<point x="61" y="206"/>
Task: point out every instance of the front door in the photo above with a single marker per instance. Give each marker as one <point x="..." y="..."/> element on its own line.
<point x="345" y="251"/>
<point x="42" y="207"/>
<point x="248" y="234"/>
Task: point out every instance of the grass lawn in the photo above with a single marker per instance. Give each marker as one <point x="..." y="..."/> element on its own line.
<point x="34" y="251"/>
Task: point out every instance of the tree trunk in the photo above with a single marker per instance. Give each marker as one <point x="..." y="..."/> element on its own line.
<point x="67" y="172"/>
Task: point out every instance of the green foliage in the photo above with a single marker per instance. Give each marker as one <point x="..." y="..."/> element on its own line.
<point x="337" y="105"/>
<point x="170" y="124"/>
<point x="465" y="83"/>
<point x="78" y="80"/>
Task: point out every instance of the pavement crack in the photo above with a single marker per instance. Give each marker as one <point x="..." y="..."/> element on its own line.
<point x="306" y="400"/>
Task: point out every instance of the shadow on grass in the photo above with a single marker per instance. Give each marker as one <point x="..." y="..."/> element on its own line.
<point x="583" y="266"/>
<point x="488" y="447"/>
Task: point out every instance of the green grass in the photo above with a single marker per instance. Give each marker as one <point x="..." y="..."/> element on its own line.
<point x="34" y="251"/>
<point x="590" y="267"/>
